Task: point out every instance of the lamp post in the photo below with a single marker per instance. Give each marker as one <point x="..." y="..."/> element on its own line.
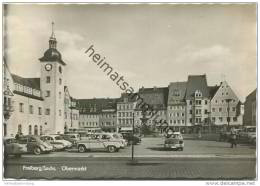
<point x="133" y="136"/>
<point x="228" y="118"/>
<point x="209" y="121"/>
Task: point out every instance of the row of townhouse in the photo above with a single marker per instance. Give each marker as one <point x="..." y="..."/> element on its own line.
<point x="44" y="105"/>
<point x="186" y="106"/>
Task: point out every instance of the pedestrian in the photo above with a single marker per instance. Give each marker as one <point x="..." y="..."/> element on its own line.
<point x="233" y="138"/>
<point x="17" y="136"/>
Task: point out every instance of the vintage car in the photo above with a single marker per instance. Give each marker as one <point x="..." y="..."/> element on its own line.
<point x="12" y="147"/>
<point x="110" y="137"/>
<point x="99" y="142"/>
<point x="248" y="133"/>
<point x="56" y="140"/>
<point x="71" y="137"/>
<point x="35" y="145"/>
<point x="130" y="138"/>
<point x="174" y="141"/>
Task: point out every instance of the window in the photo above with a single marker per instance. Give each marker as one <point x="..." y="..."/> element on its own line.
<point x="41" y="130"/>
<point x="60" y="69"/>
<point x="59" y="95"/>
<point x="60" y="81"/>
<point x="198" y="102"/>
<point x="182" y="114"/>
<point x="21" y="109"/>
<point x="220" y="119"/>
<point x="48" y="93"/>
<point x="47" y="111"/>
<point x="220" y="109"/>
<point x="198" y="111"/>
<point x="48" y="79"/>
<point x="182" y="121"/>
<point x="213" y="109"/>
<point x="35" y="130"/>
<point x="190" y="102"/>
<point x="30" y="130"/>
<point x="45" y="123"/>
<point x="235" y="119"/>
<point x="190" y="120"/>
<point x="190" y="111"/>
<point x="40" y="110"/>
<point x="206" y="102"/>
<point x="205" y="111"/>
<point x="213" y="119"/>
<point x="59" y="112"/>
<point x="233" y="109"/>
<point x="65" y="115"/>
<point x="216" y="101"/>
<point x="31" y="109"/>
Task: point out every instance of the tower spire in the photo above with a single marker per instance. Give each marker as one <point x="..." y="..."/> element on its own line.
<point x="52" y="30"/>
<point x="52" y="41"/>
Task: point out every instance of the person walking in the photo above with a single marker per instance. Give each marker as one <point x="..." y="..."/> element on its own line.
<point x="233" y="138"/>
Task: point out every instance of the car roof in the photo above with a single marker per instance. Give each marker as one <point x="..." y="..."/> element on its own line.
<point x="176" y="133"/>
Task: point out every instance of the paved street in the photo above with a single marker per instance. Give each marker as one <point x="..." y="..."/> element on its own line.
<point x="146" y="168"/>
<point x="199" y="160"/>
<point x="153" y="147"/>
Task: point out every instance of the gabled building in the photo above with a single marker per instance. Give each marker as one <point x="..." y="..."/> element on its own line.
<point x="197" y="100"/>
<point x="226" y="108"/>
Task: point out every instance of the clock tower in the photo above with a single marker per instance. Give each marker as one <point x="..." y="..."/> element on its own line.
<point x="52" y="87"/>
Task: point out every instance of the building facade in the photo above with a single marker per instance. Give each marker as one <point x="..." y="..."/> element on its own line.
<point x="38" y="104"/>
<point x="176" y="108"/>
<point x="250" y="110"/>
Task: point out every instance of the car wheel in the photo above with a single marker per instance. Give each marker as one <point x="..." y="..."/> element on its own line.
<point x="111" y="148"/>
<point x="82" y="148"/>
<point x="181" y="148"/>
<point x="37" y="150"/>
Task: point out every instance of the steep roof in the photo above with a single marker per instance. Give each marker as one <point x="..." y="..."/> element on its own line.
<point x="34" y="83"/>
<point x="156" y="97"/>
<point x="95" y="105"/>
<point x="213" y="90"/>
<point x="197" y="82"/>
<point x="177" y="91"/>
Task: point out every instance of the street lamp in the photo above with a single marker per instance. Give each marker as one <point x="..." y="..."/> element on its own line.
<point x="209" y="121"/>
<point x="228" y="118"/>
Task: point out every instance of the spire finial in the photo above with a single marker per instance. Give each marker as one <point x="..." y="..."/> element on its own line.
<point x="52" y="30"/>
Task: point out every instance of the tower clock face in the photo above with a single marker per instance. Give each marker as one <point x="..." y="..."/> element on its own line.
<point x="48" y="67"/>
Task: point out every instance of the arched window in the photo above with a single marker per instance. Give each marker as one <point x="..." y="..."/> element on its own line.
<point x="60" y="69"/>
<point x="30" y="129"/>
<point x="41" y="130"/>
<point x="35" y="130"/>
<point x="5" y="129"/>
<point x="19" y="129"/>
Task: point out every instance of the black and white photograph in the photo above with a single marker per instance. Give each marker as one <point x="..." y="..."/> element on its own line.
<point x="130" y="91"/>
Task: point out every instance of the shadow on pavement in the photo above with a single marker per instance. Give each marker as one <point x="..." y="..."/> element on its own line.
<point x="160" y="149"/>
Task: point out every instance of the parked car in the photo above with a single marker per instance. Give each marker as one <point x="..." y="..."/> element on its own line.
<point x="73" y="137"/>
<point x="174" y="141"/>
<point x="130" y="138"/>
<point x="99" y="142"/>
<point x="57" y="141"/>
<point x="110" y="137"/>
<point x="247" y="132"/>
<point x="35" y="145"/>
<point x="12" y="147"/>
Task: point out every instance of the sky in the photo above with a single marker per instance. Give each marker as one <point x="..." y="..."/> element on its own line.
<point x="150" y="45"/>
